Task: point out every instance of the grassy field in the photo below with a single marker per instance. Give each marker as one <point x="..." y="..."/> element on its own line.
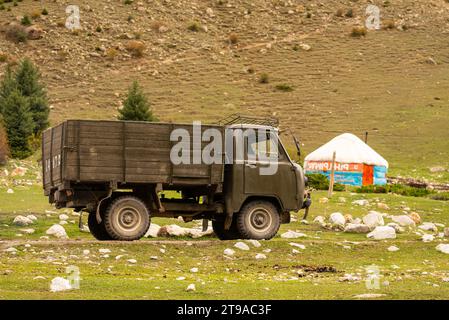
<point x="416" y="271"/>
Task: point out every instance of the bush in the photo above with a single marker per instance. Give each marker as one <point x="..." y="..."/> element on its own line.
<point x="136" y="48"/>
<point x="264" y="78"/>
<point x="443" y="196"/>
<point x="3" y="57"/>
<point x="136" y="106"/>
<point x="194" y="27"/>
<point x="128" y="2"/>
<point x="44" y="12"/>
<point x="349" y="13"/>
<point x="358" y="32"/>
<point x="319" y="181"/>
<point x="25" y="21"/>
<point x="373" y="189"/>
<point x="111" y="53"/>
<point x="16" y="33"/>
<point x="284" y="87"/>
<point x="399" y="189"/>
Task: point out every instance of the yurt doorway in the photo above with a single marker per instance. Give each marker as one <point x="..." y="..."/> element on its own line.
<point x="368" y="175"/>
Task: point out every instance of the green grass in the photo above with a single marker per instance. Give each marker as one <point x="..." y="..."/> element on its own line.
<point x="244" y="277"/>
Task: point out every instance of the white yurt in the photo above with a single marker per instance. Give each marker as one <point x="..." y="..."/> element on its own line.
<point x="356" y="163"/>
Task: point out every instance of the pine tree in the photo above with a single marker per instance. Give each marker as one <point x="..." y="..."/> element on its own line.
<point x="27" y="77"/>
<point x="18" y="123"/>
<point x="136" y="106"/>
<point x="7" y="85"/>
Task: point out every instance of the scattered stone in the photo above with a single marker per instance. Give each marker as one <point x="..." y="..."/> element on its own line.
<point x="341" y="199"/>
<point x="11" y="250"/>
<point x="58" y="231"/>
<point x="242" y="246"/>
<point x="255" y="243"/>
<point x="260" y="256"/>
<point x="39" y="278"/>
<point x="415" y="217"/>
<point x="323" y="200"/>
<point x="132" y="261"/>
<point x="361" y="202"/>
<point x="373" y="219"/>
<point x="348" y="218"/>
<point x="292" y="235"/>
<point x="319" y="220"/>
<point x="34" y="32"/>
<point x="63" y="217"/>
<point x="443" y="248"/>
<point x="428" y="226"/>
<point x="446" y="232"/>
<point x="60" y="284"/>
<point x="404" y="221"/>
<point x="396" y="227"/>
<point x="181" y="278"/>
<point x="228" y="252"/>
<point x="22" y="221"/>
<point x="103" y="251"/>
<point x="63" y="222"/>
<point x="349" y="277"/>
<point x="393" y="249"/>
<point x="27" y="231"/>
<point x="337" y="219"/>
<point x="10" y="191"/>
<point x="191" y="287"/>
<point x="153" y="230"/>
<point x="383" y="206"/>
<point x="298" y="245"/>
<point x="32" y="217"/>
<point x="381" y="233"/>
<point x="194" y="270"/>
<point x="305" y="47"/>
<point x="356" y="228"/>
<point x="369" y="295"/>
<point x="427" y="238"/>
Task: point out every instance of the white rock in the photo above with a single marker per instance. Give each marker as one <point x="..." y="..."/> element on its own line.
<point x="383" y="206"/>
<point x="119" y="257"/>
<point x="427" y="238"/>
<point x="255" y="243"/>
<point x="63" y="222"/>
<point x="172" y="230"/>
<point x="228" y="252"/>
<point x="297" y="245"/>
<point x="39" y="278"/>
<point x="22" y="221"/>
<point x="242" y="246"/>
<point x="153" y="230"/>
<point x="63" y="217"/>
<point x="428" y="226"/>
<point x="369" y="295"/>
<point x="260" y="256"/>
<point x="32" y="217"/>
<point x="305" y="47"/>
<point x="356" y="228"/>
<point x="180" y="278"/>
<point x="132" y="261"/>
<point x="190" y="287"/>
<point x="319" y="220"/>
<point x="104" y="251"/>
<point x="10" y="191"/>
<point x="60" y="284"/>
<point x="396" y="227"/>
<point x="337" y="219"/>
<point x="381" y="233"/>
<point x="194" y="270"/>
<point x="58" y="231"/>
<point x="86" y="252"/>
<point x="11" y="249"/>
<point x="443" y="248"/>
<point x="292" y="235"/>
<point x="27" y="231"/>
<point x="403" y="221"/>
<point x="373" y="219"/>
<point x="393" y="249"/>
<point x="361" y="202"/>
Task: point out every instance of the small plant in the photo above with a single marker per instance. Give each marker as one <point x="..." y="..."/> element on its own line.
<point x="389" y="24"/>
<point x="2" y="7"/>
<point x="25" y="21"/>
<point x="16" y="33"/>
<point x="44" y="12"/>
<point x="130" y="18"/>
<point x="111" y="53"/>
<point x="296" y="47"/>
<point x="194" y="27"/>
<point x="358" y="32"/>
<point x="339" y="12"/>
<point x="250" y="70"/>
<point x="284" y="87"/>
<point x="264" y="78"/>
<point x="128" y="2"/>
<point x="233" y="38"/>
<point x="136" y="48"/>
<point x="308" y="15"/>
<point x="442" y="196"/>
<point x="98" y="29"/>
<point x="349" y="13"/>
<point x="3" y="57"/>
<point x="15" y="4"/>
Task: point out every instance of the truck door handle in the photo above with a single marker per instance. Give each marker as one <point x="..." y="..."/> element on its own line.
<point x="250" y="165"/>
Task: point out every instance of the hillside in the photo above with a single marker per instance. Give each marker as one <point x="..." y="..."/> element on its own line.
<point x="392" y="82"/>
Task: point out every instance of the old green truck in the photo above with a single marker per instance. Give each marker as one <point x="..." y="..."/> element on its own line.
<point x="123" y="173"/>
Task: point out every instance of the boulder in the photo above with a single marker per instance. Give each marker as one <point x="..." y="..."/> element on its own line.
<point x="337" y="219"/>
<point x="172" y="230"/>
<point x="22" y="221"/>
<point x="443" y="248"/>
<point x="404" y="221"/>
<point x="373" y="219"/>
<point x="60" y="284"/>
<point x="427" y="238"/>
<point x="292" y="235"/>
<point x="361" y="202"/>
<point x="357" y="228"/>
<point x="228" y="252"/>
<point x="58" y="231"/>
<point x="428" y="226"/>
<point x="153" y="230"/>
<point x="396" y="227"/>
<point x="241" y="246"/>
<point x="381" y="233"/>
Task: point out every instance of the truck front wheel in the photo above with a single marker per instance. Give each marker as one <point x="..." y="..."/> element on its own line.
<point x="258" y="220"/>
<point x="127" y="218"/>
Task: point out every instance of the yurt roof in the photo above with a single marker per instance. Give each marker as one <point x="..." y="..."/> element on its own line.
<point x="349" y="149"/>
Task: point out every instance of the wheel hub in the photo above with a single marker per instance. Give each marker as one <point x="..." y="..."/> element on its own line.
<point x="260" y="219"/>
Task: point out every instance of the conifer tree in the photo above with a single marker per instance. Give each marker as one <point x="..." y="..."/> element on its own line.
<point x="136" y="106"/>
<point x="7" y="85"/>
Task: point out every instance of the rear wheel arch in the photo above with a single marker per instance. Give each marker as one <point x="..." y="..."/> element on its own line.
<point x="272" y="199"/>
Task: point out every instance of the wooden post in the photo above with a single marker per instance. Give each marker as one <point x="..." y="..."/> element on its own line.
<point x="332" y="177"/>
<point x="366" y="137"/>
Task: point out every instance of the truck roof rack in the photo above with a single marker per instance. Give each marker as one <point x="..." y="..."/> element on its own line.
<point x="237" y="118"/>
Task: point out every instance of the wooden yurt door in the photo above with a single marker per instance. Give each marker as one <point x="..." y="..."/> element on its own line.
<point x="368" y="175"/>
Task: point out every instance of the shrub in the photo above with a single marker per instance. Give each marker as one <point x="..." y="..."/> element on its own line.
<point x="349" y="13"/>
<point x="25" y="21"/>
<point x="443" y="196"/>
<point x="130" y="18"/>
<point x="16" y="33"/>
<point x="194" y="27"/>
<point x="319" y="181"/>
<point x="3" y="57"/>
<point x="98" y="29"/>
<point x="136" y="106"/>
<point x="400" y="189"/>
<point x="233" y="38"/>
<point x="2" y="7"/>
<point x="44" y="12"/>
<point x="111" y="53"/>
<point x="264" y="78"/>
<point x="284" y="87"/>
<point x="358" y="32"/>
<point x="128" y="2"/>
<point x="136" y="48"/>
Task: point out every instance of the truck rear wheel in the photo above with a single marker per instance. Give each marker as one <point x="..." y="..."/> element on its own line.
<point x="221" y="233"/>
<point x="97" y="229"/>
<point x="258" y="220"/>
<point x="127" y="218"/>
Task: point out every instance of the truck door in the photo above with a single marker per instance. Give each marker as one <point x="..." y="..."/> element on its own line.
<point x="280" y="181"/>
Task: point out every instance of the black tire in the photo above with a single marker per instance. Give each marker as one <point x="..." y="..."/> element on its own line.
<point x="221" y="233"/>
<point x="127" y="218"/>
<point x="258" y="220"/>
<point x="97" y="230"/>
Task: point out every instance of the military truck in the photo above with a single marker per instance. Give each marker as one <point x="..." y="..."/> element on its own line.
<point x="121" y="173"/>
